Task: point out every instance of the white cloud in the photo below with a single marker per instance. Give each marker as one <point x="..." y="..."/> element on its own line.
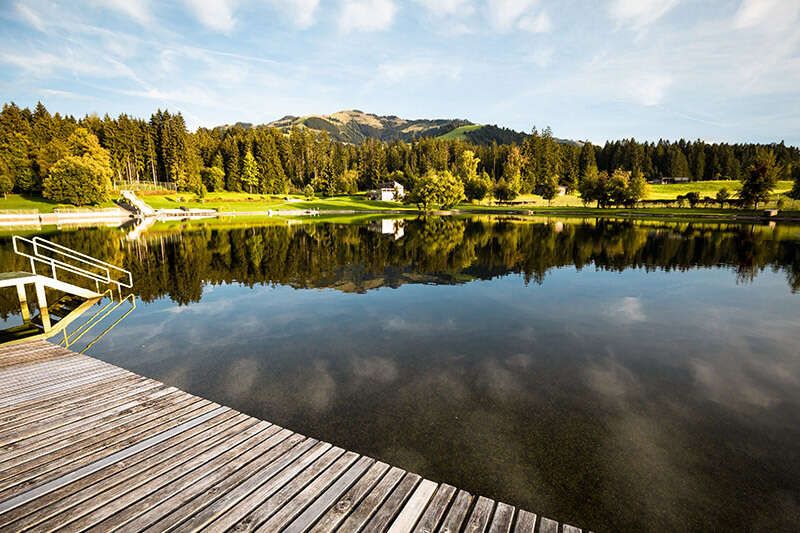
<point x="216" y="15"/>
<point x="753" y="13"/>
<point x="366" y="15"/>
<point x="649" y="89"/>
<point x="301" y="13"/>
<point x="538" y="23"/>
<point x="447" y="8"/>
<point x="505" y="15"/>
<point x="30" y="16"/>
<point x="639" y="13"/>
<point x="138" y="10"/>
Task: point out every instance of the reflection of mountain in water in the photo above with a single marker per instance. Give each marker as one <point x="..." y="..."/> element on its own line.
<point x="357" y="258"/>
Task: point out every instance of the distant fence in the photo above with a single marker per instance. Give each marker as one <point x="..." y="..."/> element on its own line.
<point x="146" y="185"/>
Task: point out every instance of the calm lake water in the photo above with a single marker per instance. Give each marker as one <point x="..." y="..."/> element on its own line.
<point x="617" y="375"/>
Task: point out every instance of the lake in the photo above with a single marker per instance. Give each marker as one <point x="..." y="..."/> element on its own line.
<point x="612" y="374"/>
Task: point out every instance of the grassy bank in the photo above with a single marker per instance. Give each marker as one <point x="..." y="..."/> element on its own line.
<point x="237" y="201"/>
<point x="26" y="202"/>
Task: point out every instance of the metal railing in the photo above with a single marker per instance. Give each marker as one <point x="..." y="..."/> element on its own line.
<point x="103" y="272"/>
<point x="98" y="317"/>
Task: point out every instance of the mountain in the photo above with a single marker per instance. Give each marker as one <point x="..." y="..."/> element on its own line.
<point x="355" y="127"/>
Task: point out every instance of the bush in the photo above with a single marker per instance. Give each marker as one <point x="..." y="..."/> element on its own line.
<point x="478" y="187"/>
<point x="723" y="195"/>
<point x="503" y="191"/>
<point x="78" y="181"/>
<point x="693" y="198"/>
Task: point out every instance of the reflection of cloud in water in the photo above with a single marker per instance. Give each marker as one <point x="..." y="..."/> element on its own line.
<point x="242" y="376"/>
<point x="319" y="387"/>
<point x="733" y="384"/>
<point x="645" y="462"/>
<point x="612" y="380"/>
<point x="500" y="382"/>
<point x="379" y="369"/>
<point x="627" y="310"/>
<point x="418" y="326"/>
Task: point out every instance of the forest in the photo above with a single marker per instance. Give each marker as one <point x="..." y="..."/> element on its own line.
<point x="36" y="144"/>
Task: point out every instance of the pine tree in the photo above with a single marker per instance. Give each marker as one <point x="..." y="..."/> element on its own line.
<point x="249" y="171"/>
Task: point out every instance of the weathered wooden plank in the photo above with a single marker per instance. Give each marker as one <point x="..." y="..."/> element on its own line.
<point x="391" y="506"/>
<point x="479" y="518"/>
<point x="502" y="519"/>
<point x="238" y="512"/>
<point x="328" y="498"/>
<point x="294" y="503"/>
<point x="526" y="522"/>
<point x="75" y="492"/>
<point x="53" y="390"/>
<point x="9" y="373"/>
<point x="26" y="496"/>
<point x="436" y="508"/>
<point x="411" y="512"/>
<point x="227" y="510"/>
<point x="40" y="450"/>
<point x="41" y="406"/>
<point x="372" y="500"/>
<point x="547" y="526"/>
<point x="121" y="440"/>
<point x="183" y="482"/>
<point x="351" y="499"/>
<point x="457" y="513"/>
<point x="47" y="380"/>
<point x="115" y="506"/>
<point x="34" y="425"/>
<point x="68" y="403"/>
<point x="94" y="415"/>
<point x="202" y="491"/>
<point x="50" y="443"/>
<point x="54" y="369"/>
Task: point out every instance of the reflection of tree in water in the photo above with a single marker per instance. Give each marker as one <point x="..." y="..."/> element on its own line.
<point x="434" y="250"/>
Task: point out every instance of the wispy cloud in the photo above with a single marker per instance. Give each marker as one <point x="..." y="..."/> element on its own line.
<point x="216" y="15"/>
<point x="138" y="10"/>
<point x="301" y="13"/>
<point x="366" y="15"/>
<point x="30" y="16"/>
<point x="448" y="8"/>
<point x="639" y="13"/>
<point x="505" y="15"/>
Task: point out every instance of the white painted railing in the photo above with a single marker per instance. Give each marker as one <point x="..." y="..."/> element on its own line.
<point x="80" y="263"/>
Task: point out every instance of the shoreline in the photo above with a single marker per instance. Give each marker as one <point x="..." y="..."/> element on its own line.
<point x="118" y="216"/>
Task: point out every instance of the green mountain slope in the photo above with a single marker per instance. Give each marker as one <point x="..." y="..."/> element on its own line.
<point x="355" y="127"/>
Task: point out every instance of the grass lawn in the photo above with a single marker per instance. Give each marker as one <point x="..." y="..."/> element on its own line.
<point x="238" y="201"/>
<point x="705" y="188"/>
<point x="18" y="202"/>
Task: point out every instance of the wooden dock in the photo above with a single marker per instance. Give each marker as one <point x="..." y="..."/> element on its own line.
<point x="85" y="445"/>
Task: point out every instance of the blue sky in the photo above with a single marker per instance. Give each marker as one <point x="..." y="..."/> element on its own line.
<point x="726" y="70"/>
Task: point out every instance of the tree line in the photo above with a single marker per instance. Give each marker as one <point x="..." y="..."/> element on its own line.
<point x="265" y="160"/>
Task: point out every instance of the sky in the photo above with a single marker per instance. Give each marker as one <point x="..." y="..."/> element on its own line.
<point x="720" y="70"/>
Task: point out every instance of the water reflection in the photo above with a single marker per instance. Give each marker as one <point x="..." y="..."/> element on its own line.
<point x="617" y="375"/>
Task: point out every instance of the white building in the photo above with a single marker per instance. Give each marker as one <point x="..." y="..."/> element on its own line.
<point x="388" y="191"/>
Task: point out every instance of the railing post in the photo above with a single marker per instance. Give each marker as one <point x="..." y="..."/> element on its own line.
<point x="23" y="302"/>
<point x="41" y="300"/>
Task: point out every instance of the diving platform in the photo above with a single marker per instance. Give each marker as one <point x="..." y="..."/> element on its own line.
<point x="86" y="445"/>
